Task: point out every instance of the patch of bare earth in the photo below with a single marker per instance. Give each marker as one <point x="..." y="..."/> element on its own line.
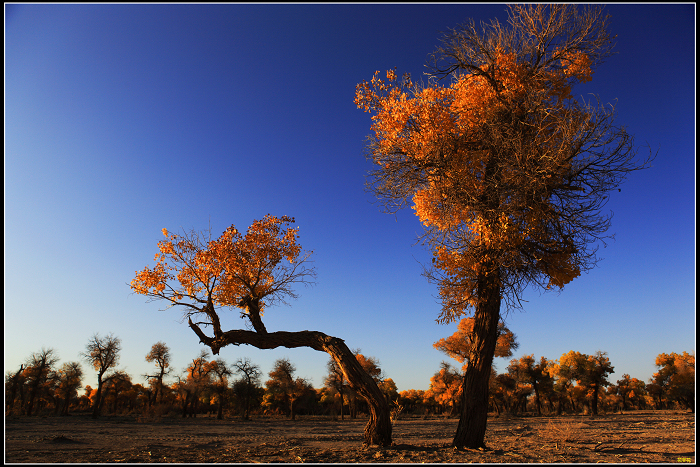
<point x="658" y="437"/>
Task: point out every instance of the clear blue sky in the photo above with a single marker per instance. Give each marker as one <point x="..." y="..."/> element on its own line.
<point x="121" y="120"/>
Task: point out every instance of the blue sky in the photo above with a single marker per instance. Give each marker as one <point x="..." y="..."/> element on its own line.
<point x="121" y="120"/>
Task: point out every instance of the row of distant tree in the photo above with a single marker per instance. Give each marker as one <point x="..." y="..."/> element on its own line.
<point x="41" y="386"/>
<point x="574" y="383"/>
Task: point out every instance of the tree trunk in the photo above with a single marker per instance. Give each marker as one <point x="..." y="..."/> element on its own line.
<point x="98" y="399"/>
<point x="537" y="400"/>
<point x="594" y="402"/>
<point x="471" y="429"/>
<point x="378" y="429"/>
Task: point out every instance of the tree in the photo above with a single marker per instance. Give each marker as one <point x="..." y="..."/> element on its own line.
<point x="246" y="387"/>
<point x="506" y="171"/>
<point x="284" y="386"/>
<point x="535" y="374"/>
<point x="445" y="387"/>
<point x="676" y="377"/>
<point x="102" y="353"/>
<point x="199" y="376"/>
<point x="590" y="372"/>
<point x="160" y="355"/>
<point x="335" y="380"/>
<point x="221" y="371"/>
<point x="115" y="388"/>
<point x="69" y="380"/>
<point x="14" y="382"/>
<point x="461" y="344"/>
<point x="38" y="371"/>
<point x="250" y="272"/>
<point x="626" y="389"/>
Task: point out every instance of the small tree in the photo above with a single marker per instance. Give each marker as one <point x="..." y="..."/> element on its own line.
<point x="69" y="380"/>
<point x="446" y="388"/>
<point x="590" y="372"/>
<point x="536" y="374"/>
<point x="160" y="355"/>
<point x="221" y="372"/>
<point x="250" y="272"/>
<point x="38" y="371"/>
<point x="199" y="377"/>
<point x="246" y="387"/>
<point x="102" y="353"/>
<point x="676" y="378"/>
<point x="335" y="380"/>
<point x="14" y="383"/>
<point x="285" y="386"/>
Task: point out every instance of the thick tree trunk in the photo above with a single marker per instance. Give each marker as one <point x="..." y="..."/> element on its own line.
<point x="98" y="398"/>
<point x="378" y="429"/>
<point x="471" y="429"/>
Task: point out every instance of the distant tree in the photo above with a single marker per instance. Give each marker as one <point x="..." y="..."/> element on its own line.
<point x="388" y="387"/>
<point x="460" y="345"/>
<point x="116" y="387"/>
<point x="221" y="372"/>
<point x="676" y="378"/>
<point x="84" y="401"/>
<point x="14" y="383"/>
<point x="69" y="380"/>
<point x="505" y="169"/>
<point x="246" y="387"/>
<point x="38" y="371"/>
<point x="446" y="388"/>
<point x="335" y="380"/>
<point x="412" y="400"/>
<point x="250" y="272"/>
<point x="160" y="355"/>
<point x="102" y="353"/>
<point x="590" y="372"/>
<point x="630" y="390"/>
<point x="536" y="374"/>
<point x="285" y="386"/>
<point x="199" y="377"/>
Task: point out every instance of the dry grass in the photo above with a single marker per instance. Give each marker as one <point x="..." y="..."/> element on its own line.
<point x="561" y="431"/>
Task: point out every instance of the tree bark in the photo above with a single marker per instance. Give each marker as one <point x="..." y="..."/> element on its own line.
<point x="378" y="429"/>
<point x="471" y="429"/>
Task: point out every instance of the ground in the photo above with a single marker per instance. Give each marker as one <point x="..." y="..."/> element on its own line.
<point x="648" y="436"/>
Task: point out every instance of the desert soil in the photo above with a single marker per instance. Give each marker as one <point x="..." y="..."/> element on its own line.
<point x="658" y="437"/>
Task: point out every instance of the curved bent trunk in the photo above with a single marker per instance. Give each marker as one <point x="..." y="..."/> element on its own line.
<point x="475" y="386"/>
<point x="378" y="429"/>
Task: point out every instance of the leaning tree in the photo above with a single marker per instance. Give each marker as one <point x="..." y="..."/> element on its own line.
<point x="249" y="273"/>
<point x="505" y="169"/>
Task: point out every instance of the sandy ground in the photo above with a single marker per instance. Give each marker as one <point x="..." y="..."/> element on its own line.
<point x="658" y="437"/>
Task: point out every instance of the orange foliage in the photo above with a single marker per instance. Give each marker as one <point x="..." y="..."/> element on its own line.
<point x="445" y="387"/>
<point x="193" y="271"/>
<point x="460" y="345"/>
<point x="444" y="135"/>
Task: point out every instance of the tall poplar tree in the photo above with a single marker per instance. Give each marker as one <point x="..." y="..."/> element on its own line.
<point x="507" y="171"/>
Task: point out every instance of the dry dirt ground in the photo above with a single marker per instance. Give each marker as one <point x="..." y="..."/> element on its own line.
<point x="658" y="437"/>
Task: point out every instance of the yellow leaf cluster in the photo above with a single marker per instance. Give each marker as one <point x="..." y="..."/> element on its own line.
<point x="443" y="131"/>
<point x="226" y="269"/>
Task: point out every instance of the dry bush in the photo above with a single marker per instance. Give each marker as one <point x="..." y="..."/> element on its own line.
<point x="561" y="431"/>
